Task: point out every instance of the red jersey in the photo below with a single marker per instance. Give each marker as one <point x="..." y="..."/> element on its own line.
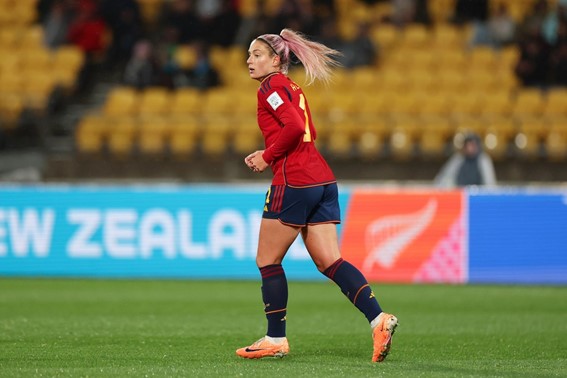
<point x="289" y="135"/>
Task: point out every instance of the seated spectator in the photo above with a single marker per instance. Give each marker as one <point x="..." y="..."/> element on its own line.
<point x="125" y="22"/>
<point x="56" y="22"/>
<point x="501" y="27"/>
<point x="88" y="30"/>
<point x="141" y="70"/>
<point x="203" y="75"/>
<point x="469" y="166"/>
<point x="533" y="66"/>
<point x="361" y="50"/>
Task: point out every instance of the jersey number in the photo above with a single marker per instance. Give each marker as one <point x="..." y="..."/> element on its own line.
<point x="307" y="136"/>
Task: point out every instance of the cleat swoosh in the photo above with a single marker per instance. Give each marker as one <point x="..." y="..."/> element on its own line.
<point x="253" y="350"/>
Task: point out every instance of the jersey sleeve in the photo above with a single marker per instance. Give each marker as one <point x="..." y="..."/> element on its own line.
<point x="278" y="103"/>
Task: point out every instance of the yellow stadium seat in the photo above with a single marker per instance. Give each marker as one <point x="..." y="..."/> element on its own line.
<point x="451" y="59"/>
<point x="533" y="125"/>
<point x="405" y="132"/>
<point x="556" y="139"/>
<point x="466" y="123"/>
<point x="153" y="101"/>
<point x="10" y="36"/>
<point x="435" y="103"/>
<point x="499" y="132"/>
<point x="416" y="36"/>
<point x="497" y="102"/>
<point x="481" y="80"/>
<point x="121" y="139"/>
<point x="385" y="35"/>
<point x="38" y="88"/>
<point x="555" y="103"/>
<point x="153" y="135"/>
<point x="215" y="136"/>
<point x="364" y="79"/>
<point x="69" y="56"/>
<point x="528" y="102"/>
<point x="217" y="101"/>
<point x="36" y="59"/>
<point x="67" y="63"/>
<point x="482" y="56"/>
<point x="555" y="144"/>
<point x="339" y="143"/>
<point x="448" y="37"/>
<point x="186" y="101"/>
<point x="11" y="108"/>
<point x="32" y="38"/>
<point x="91" y="134"/>
<point x="371" y="140"/>
<point x="121" y="101"/>
<point x="507" y="57"/>
<point x="246" y="136"/>
<point x="450" y="79"/>
<point x="185" y="56"/>
<point x="465" y="103"/>
<point x="12" y="83"/>
<point x="184" y="136"/>
<point x="528" y="145"/>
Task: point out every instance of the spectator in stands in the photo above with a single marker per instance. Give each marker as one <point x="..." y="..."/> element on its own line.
<point x="533" y="21"/>
<point x="125" y="22"/>
<point x="533" y="65"/>
<point x="405" y="12"/>
<point x="180" y="18"/>
<point x="141" y="70"/>
<point x="558" y="60"/>
<point x="88" y="30"/>
<point x="203" y="75"/>
<point x="501" y="27"/>
<point x="297" y="15"/>
<point x="470" y="11"/>
<point x="330" y="36"/>
<point x="469" y="166"/>
<point x="56" y="22"/>
<point x="361" y="51"/>
<point x="219" y="19"/>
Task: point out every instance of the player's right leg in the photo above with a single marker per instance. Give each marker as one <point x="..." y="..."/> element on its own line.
<point x="273" y="243"/>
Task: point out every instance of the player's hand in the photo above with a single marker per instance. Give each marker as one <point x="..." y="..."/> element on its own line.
<point x="255" y="162"/>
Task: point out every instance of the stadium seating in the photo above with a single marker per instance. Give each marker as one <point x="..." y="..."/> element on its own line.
<point x="429" y="85"/>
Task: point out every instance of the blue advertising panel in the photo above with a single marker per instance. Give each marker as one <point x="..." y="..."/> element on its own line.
<point x="518" y="238"/>
<point x="137" y="231"/>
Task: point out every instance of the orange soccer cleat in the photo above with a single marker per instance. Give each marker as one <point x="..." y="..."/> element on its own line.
<point x="264" y="348"/>
<point x="382" y="336"/>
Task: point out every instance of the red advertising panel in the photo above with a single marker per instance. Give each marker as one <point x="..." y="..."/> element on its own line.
<point x="407" y="236"/>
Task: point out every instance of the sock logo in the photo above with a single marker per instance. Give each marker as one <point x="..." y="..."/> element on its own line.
<point x="372" y="295"/>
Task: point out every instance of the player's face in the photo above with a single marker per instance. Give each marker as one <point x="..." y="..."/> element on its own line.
<point x="260" y="62"/>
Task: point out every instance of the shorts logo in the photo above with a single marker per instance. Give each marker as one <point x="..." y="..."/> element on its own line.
<point x="275" y="100"/>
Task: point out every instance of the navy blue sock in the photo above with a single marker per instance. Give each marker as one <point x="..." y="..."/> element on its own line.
<point x="274" y="294"/>
<point x="355" y="287"/>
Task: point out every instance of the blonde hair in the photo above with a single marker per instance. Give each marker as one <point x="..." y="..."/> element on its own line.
<point x="317" y="59"/>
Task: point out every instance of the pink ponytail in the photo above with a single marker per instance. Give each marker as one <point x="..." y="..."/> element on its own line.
<point x="317" y="59"/>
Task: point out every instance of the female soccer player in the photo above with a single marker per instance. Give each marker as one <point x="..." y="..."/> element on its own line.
<point x="303" y="196"/>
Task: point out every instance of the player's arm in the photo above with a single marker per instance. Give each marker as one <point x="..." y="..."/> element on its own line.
<point x="293" y="127"/>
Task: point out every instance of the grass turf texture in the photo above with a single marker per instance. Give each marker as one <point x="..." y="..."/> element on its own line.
<point x="192" y="328"/>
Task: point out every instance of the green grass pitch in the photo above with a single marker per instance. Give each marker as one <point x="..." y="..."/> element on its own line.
<point x="153" y="328"/>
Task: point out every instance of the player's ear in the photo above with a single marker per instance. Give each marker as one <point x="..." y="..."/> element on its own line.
<point x="276" y="60"/>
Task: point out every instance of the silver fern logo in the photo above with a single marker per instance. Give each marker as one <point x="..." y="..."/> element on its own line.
<point x="388" y="236"/>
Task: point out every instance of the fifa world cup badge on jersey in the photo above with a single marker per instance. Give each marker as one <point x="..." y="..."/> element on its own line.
<point x="275" y="100"/>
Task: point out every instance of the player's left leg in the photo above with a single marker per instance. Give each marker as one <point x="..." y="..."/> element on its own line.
<point x="321" y="241"/>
